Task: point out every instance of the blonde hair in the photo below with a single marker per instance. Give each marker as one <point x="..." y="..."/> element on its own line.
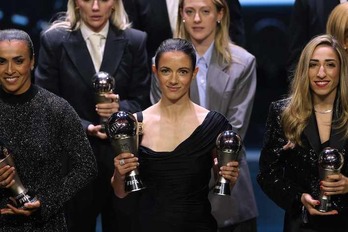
<point x="222" y="39"/>
<point x="337" y="23"/>
<point x="70" y="20"/>
<point x="296" y="114"/>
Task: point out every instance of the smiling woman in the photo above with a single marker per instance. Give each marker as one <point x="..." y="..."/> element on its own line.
<point x="40" y="130"/>
<point x="175" y="153"/>
<point x="299" y="128"/>
<point x="16" y="63"/>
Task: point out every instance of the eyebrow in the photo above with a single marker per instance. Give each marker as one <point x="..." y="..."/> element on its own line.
<point x="326" y="60"/>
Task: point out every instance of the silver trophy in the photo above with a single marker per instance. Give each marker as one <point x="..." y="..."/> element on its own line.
<point x="330" y="162"/>
<point x="20" y="194"/>
<point x="103" y="83"/>
<point x="228" y="145"/>
<point x="122" y="129"/>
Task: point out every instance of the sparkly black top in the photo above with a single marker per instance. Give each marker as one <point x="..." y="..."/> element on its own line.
<point x="41" y="130"/>
<point x="285" y="174"/>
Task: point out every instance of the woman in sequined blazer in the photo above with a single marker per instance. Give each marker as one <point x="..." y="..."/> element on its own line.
<point x="298" y="128"/>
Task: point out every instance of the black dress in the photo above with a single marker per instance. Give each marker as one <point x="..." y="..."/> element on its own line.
<point x="176" y="197"/>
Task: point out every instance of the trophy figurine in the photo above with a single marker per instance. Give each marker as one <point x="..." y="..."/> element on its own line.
<point x="122" y="129"/>
<point x="103" y="83"/>
<point x="228" y="145"/>
<point x="20" y="194"/>
<point x="330" y="162"/>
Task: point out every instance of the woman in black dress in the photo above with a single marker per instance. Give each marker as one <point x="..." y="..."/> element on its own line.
<point x="175" y="153"/>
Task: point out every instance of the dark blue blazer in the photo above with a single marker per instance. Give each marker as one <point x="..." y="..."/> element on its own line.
<point x="65" y="68"/>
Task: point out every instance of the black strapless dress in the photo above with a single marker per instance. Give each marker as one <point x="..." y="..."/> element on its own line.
<point x="176" y="197"/>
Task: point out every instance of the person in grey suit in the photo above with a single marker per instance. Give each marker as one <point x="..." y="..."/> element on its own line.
<point x="226" y="83"/>
<point x="154" y="17"/>
<point x="66" y="67"/>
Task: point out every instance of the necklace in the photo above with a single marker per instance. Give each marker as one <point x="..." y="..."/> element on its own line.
<point x="323" y="112"/>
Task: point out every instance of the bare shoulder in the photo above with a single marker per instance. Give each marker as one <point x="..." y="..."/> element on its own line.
<point x="151" y="114"/>
<point x="201" y="112"/>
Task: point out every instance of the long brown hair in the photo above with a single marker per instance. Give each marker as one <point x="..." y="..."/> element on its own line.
<point x="296" y="115"/>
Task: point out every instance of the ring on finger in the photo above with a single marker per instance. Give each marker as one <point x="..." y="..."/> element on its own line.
<point x="117" y="99"/>
<point x="122" y="162"/>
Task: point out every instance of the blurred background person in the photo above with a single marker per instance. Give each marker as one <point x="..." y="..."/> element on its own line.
<point x="39" y="130"/>
<point x="308" y="19"/>
<point x="226" y="83"/>
<point x="67" y="61"/>
<point x="313" y="117"/>
<point x="158" y="19"/>
<point x="337" y="24"/>
<point x="176" y="151"/>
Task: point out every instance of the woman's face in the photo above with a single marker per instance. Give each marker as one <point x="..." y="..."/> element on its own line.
<point x="95" y="13"/>
<point x="15" y="66"/>
<point x="324" y="73"/>
<point x="174" y="74"/>
<point x="201" y="17"/>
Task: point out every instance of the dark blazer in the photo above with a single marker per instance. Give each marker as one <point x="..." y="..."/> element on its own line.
<point x="65" y="68"/>
<point x="308" y="19"/>
<point x="285" y="174"/>
<point x="151" y="16"/>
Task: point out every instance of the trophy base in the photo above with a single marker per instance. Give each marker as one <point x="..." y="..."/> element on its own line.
<point x="103" y="127"/>
<point x="24" y="197"/>
<point x="133" y="184"/>
<point x="222" y="189"/>
<point x="325" y="205"/>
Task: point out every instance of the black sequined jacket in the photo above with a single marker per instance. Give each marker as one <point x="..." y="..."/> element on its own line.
<point x="285" y="174"/>
<point x="41" y="130"/>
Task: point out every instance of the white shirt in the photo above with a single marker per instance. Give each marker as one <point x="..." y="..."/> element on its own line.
<point x="86" y="32"/>
<point x="172" y="7"/>
<point x="203" y="64"/>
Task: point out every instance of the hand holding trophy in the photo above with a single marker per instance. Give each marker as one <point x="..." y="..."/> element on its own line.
<point x="228" y="145"/>
<point x="330" y="162"/>
<point x="122" y="129"/>
<point x="21" y="195"/>
<point x="103" y="83"/>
